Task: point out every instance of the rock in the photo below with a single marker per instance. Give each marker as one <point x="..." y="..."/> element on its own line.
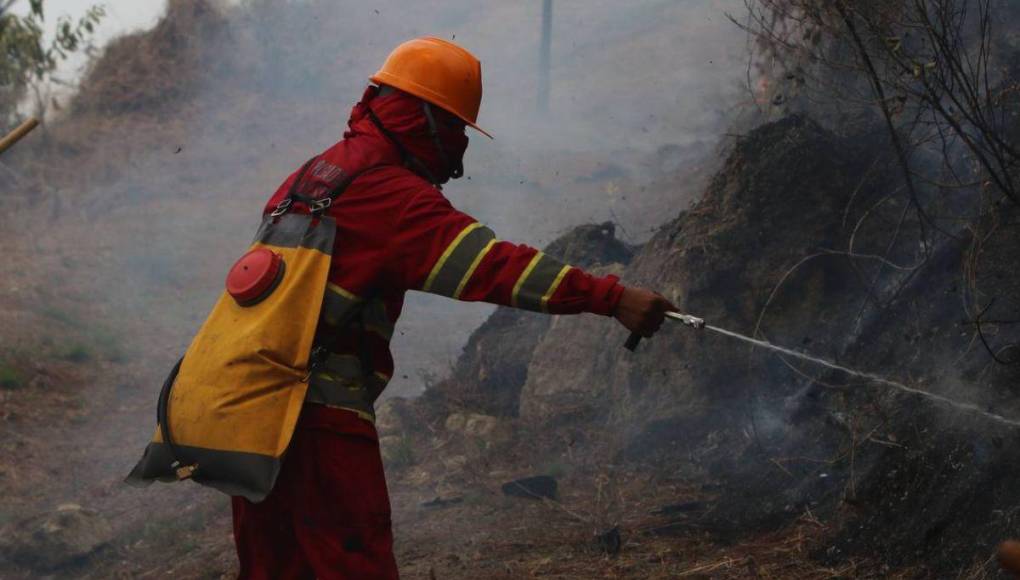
<point x="680" y="508"/>
<point x="672" y="529"/>
<point x="440" y="502"/>
<point x="609" y="541"/>
<point x="455" y="463"/>
<point x="456" y="422"/>
<point x="534" y="487"/>
<point x="480" y="425"/>
<point x="394" y="416"/>
<point x="57" y="539"/>
<point x="397" y="451"/>
<point x="566" y="373"/>
<point x="389" y="442"/>
<point x="418" y="477"/>
<point x="489" y="429"/>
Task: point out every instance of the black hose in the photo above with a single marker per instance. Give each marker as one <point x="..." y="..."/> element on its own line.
<point x="161" y="413"/>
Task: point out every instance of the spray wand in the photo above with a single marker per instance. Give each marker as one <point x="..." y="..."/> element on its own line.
<point x="699" y="323"/>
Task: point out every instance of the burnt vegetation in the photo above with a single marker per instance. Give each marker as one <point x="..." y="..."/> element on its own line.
<point x="863" y="208"/>
<point x="942" y="79"/>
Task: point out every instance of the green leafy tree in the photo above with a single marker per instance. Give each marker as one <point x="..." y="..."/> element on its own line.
<point x="26" y="56"/>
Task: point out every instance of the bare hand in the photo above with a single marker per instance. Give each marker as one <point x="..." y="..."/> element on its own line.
<point x="642" y="311"/>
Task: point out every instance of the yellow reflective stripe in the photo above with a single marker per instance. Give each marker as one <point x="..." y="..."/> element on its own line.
<point x="347" y="367"/>
<point x="341" y="291"/>
<point x="446" y="255"/>
<point x="384" y="332"/>
<point x="344" y="366"/>
<point x="474" y="266"/>
<point x="524" y="276"/>
<point x="363" y="414"/>
<point x="334" y="378"/>
<point x="343" y="385"/>
<point x="350" y="385"/>
<point x="339" y="305"/>
<point x="555" y="286"/>
<point x="383" y="380"/>
<point x="457" y="263"/>
<point x="537" y="284"/>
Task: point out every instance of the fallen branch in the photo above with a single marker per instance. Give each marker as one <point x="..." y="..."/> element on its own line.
<point x="18" y="133"/>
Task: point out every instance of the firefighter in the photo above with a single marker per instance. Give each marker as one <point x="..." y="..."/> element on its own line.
<point x="328" y="514"/>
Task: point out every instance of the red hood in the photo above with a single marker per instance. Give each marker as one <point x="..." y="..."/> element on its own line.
<point x="402" y="115"/>
<point x="365" y="146"/>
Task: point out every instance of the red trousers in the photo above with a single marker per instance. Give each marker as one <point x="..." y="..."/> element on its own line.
<point x="328" y="516"/>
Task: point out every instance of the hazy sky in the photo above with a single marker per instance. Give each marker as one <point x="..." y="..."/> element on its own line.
<point x="122" y="16"/>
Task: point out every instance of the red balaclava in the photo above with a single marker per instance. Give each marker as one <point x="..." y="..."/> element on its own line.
<point x="432" y="148"/>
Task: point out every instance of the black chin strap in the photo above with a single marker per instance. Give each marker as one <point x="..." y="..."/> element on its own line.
<point x="405" y="155"/>
<point x="455" y="171"/>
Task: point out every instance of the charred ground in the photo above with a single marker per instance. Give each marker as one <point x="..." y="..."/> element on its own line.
<point x="709" y="459"/>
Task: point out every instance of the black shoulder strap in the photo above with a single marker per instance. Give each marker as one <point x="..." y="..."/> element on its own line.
<point x="300" y="176"/>
<point x="315" y="204"/>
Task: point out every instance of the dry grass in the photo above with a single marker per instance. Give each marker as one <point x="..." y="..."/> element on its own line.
<point x="491" y="536"/>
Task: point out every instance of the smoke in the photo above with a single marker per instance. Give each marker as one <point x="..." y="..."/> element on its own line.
<point x="152" y="179"/>
<point x="635" y="87"/>
<point x="162" y="162"/>
<point x="639" y="93"/>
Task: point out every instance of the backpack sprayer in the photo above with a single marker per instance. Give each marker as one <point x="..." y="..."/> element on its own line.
<point x="699" y="324"/>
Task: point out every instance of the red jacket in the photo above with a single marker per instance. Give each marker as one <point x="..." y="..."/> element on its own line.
<point x="397" y="232"/>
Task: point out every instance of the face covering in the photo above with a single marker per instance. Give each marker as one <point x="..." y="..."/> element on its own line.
<point x="433" y="149"/>
<point x="450" y="140"/>
<point x="456" y="147"/>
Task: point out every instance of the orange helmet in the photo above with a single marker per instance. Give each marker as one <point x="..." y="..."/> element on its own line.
<point x="438" y="72"/>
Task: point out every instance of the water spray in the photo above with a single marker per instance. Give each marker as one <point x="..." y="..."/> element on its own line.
<point x="699" y="323"/>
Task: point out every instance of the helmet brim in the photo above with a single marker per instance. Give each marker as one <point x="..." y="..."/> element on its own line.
<point x="411" y="88"/>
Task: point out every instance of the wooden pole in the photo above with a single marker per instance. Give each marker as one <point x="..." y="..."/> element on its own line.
<point x="17" y="134"/>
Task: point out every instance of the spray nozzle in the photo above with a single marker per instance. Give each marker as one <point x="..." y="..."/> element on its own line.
<point x="692" y="321"/>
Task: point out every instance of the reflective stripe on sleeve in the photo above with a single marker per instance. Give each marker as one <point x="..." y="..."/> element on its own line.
<point x="339" y="305"/>
<point x="538" y="283"/>
<point x="555" y="286"/>
<point x="474" y="265"/>
<point x="454" y="268"/>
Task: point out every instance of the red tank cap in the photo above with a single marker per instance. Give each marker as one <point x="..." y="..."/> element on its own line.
<point x="255" y="276"/>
